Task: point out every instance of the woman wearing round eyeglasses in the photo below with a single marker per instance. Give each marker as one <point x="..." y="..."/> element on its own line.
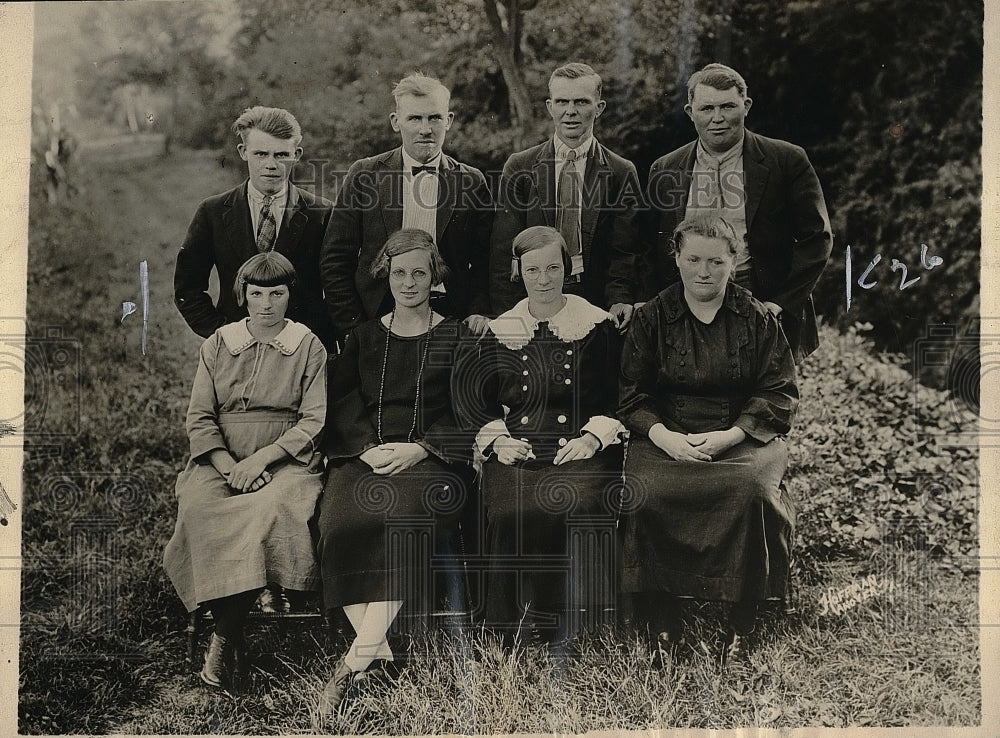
<point x="391" y="442"/>
<point x="543" y="394"/>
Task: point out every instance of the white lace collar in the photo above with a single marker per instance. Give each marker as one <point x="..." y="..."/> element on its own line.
<point x="237" y="337"/>
<point x="515" y="328"/>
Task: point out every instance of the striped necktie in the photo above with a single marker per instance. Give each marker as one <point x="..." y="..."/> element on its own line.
<point x="569" y="204"/>
<point x="268" y="228"/>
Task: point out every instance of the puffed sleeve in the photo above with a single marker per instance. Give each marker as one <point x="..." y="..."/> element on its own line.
<point x="302" y="439"/>
<point x="349" y="430"/>
<point x="476" y="391"/>
<point x="604" y="351"/>
<point x="770" y="409"/>
<point x="203" y="410"/>
<point x="638" y="389"/>
<point x="448" y="437"/>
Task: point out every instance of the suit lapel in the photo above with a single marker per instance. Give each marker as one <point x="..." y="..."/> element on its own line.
<point x="390" y="190"/>
<point x="448" y="187"/>
<point x="595" y="177"/>
<point x="238" y="226"/>
<point x="544" y="170"/>
<point x="755" y="173"/>
<point x="294" y="221"/>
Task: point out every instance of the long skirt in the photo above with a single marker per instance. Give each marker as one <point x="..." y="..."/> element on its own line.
<point x="224" y="544"/>
<point x="391" y="537"/>
<point x="717" y="530"/>
<point x="551" y="540"/>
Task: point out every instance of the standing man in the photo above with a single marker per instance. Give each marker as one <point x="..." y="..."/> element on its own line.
<point x="765" y="188"/>
<point x="265" y="213"/>
<point x="413" y="186"/>
<point x="573" y="183"/>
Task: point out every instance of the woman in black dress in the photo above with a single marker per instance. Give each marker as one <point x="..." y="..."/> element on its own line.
<point x="543" y="395"/>
<point x="707" y="392"/>
<point x="391" y="442"/>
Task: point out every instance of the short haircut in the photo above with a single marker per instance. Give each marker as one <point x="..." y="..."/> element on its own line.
<point x="533" y="239"/>
<point x="576" y="70"/>
<point x="718" y="76"/>
<point x="403" y="241"/>
<point x="264" y="270"/>
<point x="420" y="85"/>
<point x="276" y="122"/>
<point x="709" y="225"/>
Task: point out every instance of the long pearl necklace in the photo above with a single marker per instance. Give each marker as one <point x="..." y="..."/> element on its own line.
<point x="420" y="376"/>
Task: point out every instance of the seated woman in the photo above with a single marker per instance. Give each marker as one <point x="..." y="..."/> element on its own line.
<point x="391" y="441"/>
<point x="257" y="410"/>
<point x="707" y="392"/>
<point x="544" y="393"/>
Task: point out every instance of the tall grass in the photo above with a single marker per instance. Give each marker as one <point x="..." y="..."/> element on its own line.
<point x="102" y="632"/>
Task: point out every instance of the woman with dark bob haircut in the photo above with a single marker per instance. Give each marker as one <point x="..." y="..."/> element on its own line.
<point x="246" y="495"/>
<point x="542" y="396"/>
<point x="395" y="459"/>
<point x="707" y="393"/>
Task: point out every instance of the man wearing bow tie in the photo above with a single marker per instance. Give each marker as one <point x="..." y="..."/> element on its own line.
<point x="413" y="186"/>
<point x="573" y="183"/>
<point x="766" y="188"/>
<point x="265" y="213"/>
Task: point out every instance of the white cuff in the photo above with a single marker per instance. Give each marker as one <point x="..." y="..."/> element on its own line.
<point x="606" y="429"/>
<point x="489" y="433"/>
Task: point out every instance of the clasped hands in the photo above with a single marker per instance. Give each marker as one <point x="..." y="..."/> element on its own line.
<point x="510" y="451"/>
<point x="392" y="458"/>
<point x="695" y="446"/>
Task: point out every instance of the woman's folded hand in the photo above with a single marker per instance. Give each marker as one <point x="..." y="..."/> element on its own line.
<point x="509" y="450"/>
<point x="676" y="445"/>
<point x="578" y="449"/>
<point x="392" y="458"/>
<point x="249" y="475"/>
<point x="716" y="442"/>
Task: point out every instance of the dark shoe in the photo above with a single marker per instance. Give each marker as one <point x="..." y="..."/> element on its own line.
<point x="666" y="647"/>
<point x="734" y="647"/>
<point x="218" y="662"/>
<point x="333" y="692"/>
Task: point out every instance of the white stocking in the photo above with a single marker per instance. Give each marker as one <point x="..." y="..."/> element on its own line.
<point x="371" y="622"/>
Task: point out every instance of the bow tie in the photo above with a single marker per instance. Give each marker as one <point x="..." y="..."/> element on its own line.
<point x="425" y="168"/>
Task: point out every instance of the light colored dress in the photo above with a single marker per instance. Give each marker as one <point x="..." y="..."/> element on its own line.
<point x="247" y="395"/>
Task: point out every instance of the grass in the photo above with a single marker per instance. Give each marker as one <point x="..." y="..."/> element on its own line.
<point x="102" y="632"/>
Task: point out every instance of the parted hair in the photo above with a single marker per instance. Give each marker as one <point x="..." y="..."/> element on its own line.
<point x="403" y="241"/>
<point x="575" y="70"/>
<point x="718" y="76"/>
<point x="533" y="239"/>
<point x="264" y="270"/>
<point x="276" y="122"/>
<point x="710" y="226"/>
<point x="419" y="84"/>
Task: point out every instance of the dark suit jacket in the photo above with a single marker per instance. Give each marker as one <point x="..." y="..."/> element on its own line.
<point x="788" y="229"/>
<point x="610" y="199"/>
<point x="369" y="208"/>
<point x="221" y="236"/>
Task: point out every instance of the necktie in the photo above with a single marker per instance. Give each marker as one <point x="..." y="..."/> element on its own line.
<point x="568" y="219"/>
<point x="415" y="170"/>
<point x="268" y="228"/>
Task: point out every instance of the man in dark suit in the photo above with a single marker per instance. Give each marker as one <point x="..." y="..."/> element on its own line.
<point x="266" y="212"/>
<point x="765" y="188"/>
<point x="413" y="186"/>
<point x="596" y="214"/>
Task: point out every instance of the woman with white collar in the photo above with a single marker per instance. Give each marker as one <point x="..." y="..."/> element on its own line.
<point x="257" y="410"/>
<point x="544" y="398"/>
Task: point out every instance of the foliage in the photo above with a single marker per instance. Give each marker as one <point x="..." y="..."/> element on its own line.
<point x="871" y="459"/>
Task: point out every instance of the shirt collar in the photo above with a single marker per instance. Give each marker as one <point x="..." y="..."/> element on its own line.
<point x="409" y="162"/>
<point x="515" y="328"/>
<point x="257" y="197"/>
<point x="704" y="155"/>
<point x="736" y="300"/>
<point x="582" y="151"/>
<point x="237" y="337"/>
